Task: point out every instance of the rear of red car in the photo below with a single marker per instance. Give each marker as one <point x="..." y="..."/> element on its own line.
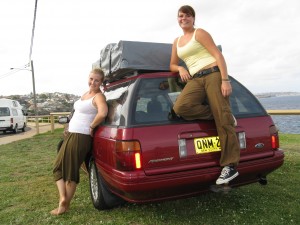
<point x="145" y="153"/>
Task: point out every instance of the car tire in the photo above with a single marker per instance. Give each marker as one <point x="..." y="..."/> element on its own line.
<point x="101" y="197"/>
<point x="15" y="130"/>
<point x="23" y="129"/>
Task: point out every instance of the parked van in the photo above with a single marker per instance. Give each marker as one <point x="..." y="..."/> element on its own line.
<point x="12" y="117"/>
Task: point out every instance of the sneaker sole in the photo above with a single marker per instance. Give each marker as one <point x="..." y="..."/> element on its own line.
<point x="228" y="179"/>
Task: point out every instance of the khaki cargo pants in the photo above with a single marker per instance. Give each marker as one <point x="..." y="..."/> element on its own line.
<point x="189" y="105"/>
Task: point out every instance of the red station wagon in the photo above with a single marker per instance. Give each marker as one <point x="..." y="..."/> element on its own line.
<point x="144" y="153"/>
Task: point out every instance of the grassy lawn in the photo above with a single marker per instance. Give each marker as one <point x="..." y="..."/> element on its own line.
<point x="28" y="194"/>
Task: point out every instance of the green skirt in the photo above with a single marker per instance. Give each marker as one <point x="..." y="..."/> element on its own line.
<point x="71" y="155"/>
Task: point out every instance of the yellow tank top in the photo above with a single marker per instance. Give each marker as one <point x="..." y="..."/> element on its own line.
<point x="194" y="55"/>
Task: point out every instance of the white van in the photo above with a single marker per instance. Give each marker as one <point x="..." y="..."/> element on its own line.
<point x="12" y="117"/>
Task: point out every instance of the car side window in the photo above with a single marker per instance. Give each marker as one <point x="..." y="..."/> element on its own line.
<point x="115" y="98"/>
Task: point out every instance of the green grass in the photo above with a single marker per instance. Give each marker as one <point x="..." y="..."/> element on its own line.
<point x="28" y="194"/>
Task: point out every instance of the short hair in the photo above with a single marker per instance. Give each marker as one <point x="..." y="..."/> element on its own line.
<point x="98" y="71"/>
<point x="187" y="9"/>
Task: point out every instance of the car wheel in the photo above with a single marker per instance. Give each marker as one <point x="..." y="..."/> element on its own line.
<point x="23" y="129"/>
<point x="102" y="198"/>
<point x="15" y="130"/>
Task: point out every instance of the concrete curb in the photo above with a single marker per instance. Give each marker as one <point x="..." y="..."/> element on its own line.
<point x="30" y="131"/>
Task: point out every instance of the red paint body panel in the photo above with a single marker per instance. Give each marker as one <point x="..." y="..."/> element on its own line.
<point x="180" y="177"/>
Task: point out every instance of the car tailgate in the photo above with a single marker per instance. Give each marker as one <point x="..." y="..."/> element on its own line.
<point x="160" y="147"/>
<point x="160" y="144"/>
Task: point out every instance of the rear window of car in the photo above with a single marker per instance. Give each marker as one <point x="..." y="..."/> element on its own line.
<point x="151" y="101"/>
<point x="155" y="99"/>
<point x="4" y="111"/>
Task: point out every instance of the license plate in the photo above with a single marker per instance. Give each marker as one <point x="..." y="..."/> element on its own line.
<point x="207" y="145"/>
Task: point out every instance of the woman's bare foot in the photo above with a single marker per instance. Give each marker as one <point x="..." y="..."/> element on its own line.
<point x="54" y="212"/>
<point x="62" y="208"/>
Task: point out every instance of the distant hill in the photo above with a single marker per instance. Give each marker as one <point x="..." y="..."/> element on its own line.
<point x="46" y="102"/>
<point x="276" y="94"/>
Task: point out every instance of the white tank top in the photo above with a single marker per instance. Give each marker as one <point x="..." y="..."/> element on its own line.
<point x="83" y="116"/>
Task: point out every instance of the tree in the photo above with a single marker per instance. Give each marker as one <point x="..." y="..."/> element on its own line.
<point x="43" y="96"/>
<point x="67" y="97"/>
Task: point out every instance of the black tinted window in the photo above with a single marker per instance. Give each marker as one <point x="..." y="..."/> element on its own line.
<point x="155" y="99"/>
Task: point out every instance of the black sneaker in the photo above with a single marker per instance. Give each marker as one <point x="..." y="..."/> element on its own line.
<point x="228" y="173"/>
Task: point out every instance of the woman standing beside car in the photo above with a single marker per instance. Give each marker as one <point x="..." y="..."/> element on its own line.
<point x="90" y="111"/>
<point x="206" y="78"/>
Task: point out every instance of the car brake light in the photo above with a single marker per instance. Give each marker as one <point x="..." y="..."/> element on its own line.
<point x="138" y="164"/>
<point x="274" y="137"/>
<point x="128" y="155"/>
<point x="275" y="141"/>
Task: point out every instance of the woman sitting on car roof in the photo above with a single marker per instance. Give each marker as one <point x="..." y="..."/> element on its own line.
<point x="206" y="78"/>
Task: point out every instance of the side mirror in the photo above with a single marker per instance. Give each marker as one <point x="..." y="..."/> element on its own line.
<point x="63" y="120"/>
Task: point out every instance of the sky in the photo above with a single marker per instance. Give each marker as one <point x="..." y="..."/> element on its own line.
<point x="260" y="39"/>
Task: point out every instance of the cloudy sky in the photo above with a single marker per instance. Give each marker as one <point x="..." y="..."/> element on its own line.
<point x="260" y="39"/>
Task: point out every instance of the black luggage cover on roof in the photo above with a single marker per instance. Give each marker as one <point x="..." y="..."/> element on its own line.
<point x="132" y="55"/>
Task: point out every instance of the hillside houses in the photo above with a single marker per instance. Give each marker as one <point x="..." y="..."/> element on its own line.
<point x="46" y="102"/>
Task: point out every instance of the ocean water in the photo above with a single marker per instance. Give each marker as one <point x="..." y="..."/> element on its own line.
<point x="285" y="123"/>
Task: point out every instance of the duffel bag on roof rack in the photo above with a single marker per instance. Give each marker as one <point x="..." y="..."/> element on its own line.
<point x="128" y="56"/>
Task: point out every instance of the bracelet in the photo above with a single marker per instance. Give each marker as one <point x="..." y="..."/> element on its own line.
<point x="227" y="79"/>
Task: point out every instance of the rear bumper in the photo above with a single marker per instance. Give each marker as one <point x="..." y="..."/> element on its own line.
<point x="6" y="128"/>
<point x="139" y="188"/>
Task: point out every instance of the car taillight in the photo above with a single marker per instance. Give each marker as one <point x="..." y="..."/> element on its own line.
<point x="128" y="155"/>
<point x="138" y="164"/>
<point x="275" y="141"/>
<point x="274" y="137"/>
